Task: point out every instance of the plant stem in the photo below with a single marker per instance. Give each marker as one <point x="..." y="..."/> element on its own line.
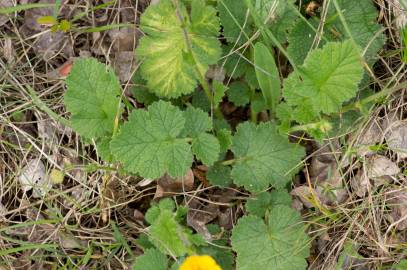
<point x="201" y="73"/>
<point x="385" y="92"/>
<point x="268" y="35"/>
<point x="356" y="105"/>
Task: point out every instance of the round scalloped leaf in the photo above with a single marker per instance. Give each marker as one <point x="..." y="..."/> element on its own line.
<point x="152" y="259"/>
<point x="263" y="157"/>
<point x="279" y="244"/>
<point x="93" y="98"/>
<point x="169" y="67"/>
<point x="329" y="77"/>
<point x="148" y="143"/>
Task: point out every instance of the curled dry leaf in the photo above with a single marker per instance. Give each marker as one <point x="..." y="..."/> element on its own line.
<point x="216" y="73"/>
<point x="33" y="176"/>
<point x="8" y="50"/>
<point x="397" y="201"/>
<point x="360" y="183"/>
<point x="124" y="64"/>
<point x="399" y="12"/>
<point x="319" y="171"/>
<point x="327" y="177"/>
<point x="167" y="186"/>
<point x="306" y="195"/>
<point x="396" y="138"/>
<point x="379" y="166"/>
<point x="297" y="204"/>
<point x="123" y="39"/>
<point x="328" y="151"/>
<point x="370" y="135"/>
<point x="198" y="216"/>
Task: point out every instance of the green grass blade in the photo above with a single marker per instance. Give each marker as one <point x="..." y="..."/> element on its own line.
<point x="120" y="239"/>
<point x="30" y="223"/>
<point x="105" y="27"/>
<point x="19" y="8"/>
<point x="50" y="247"/>
<point x="404" y="43"/>
<point x="267" y="74"/>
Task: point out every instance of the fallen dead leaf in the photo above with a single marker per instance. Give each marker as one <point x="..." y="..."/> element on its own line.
<point x="216" y="73"/>
<point x="323" y="171"/>
<point x="360" y="183"/>
<point x="124" y="65"/>
<point x="297" y="204"/>
<point x="396" y="138"/>
<point x="313" y="197"/>
<point x="199" y="215"/>
<point x="304" y="194"/>
<point x="123" y="39"/>
<point x="378" y="166"/>
<point x="328" y="151"/>
<point x="8" y="50"/>
<point x="371" y="135"/>
<point x="225" y="219"/>
<point x="397" y="201"/>
<point x="33" y="176"/>
<point x="50" y="44"/>
<point x="167" y="186"/>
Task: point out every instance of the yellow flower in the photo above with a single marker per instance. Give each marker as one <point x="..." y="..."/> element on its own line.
<point x="197" y="262"/>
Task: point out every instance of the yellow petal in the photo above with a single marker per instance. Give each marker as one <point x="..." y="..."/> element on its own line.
<point x="199" y="262"/>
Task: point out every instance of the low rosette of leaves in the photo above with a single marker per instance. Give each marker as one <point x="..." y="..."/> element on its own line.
<point x="181" y="40"/>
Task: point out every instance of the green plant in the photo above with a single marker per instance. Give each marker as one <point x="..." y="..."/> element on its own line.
<point x="168" y="137"/>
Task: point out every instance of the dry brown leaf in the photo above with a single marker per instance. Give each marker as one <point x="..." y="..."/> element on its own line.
<point x="297" y="204"/>
<point x="50" y="44"/>
<point x="360" y="183"/>
<point x="396" y="138"/>
<point x="328" y="151"/>
<point x="200" y="215"/>
<point x="327" y="177"/>
<point x="216" y="73"/>
<point x="370" y="135"/>
<point x="124" y="65"/>
<point x="319" y="171"/>
<point x="8" y="50"/>
<point x="33" y="176"/>
<point x="167" y="186"/>
<point x="323" y="194"/>
<point x="123" y="39"/>
<point x="397" y="201"/>
<point x="379" y="166"/>
<point x="225" y="219"/>
<point x="30" y="25"/>
<point x="305" y="195"/>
